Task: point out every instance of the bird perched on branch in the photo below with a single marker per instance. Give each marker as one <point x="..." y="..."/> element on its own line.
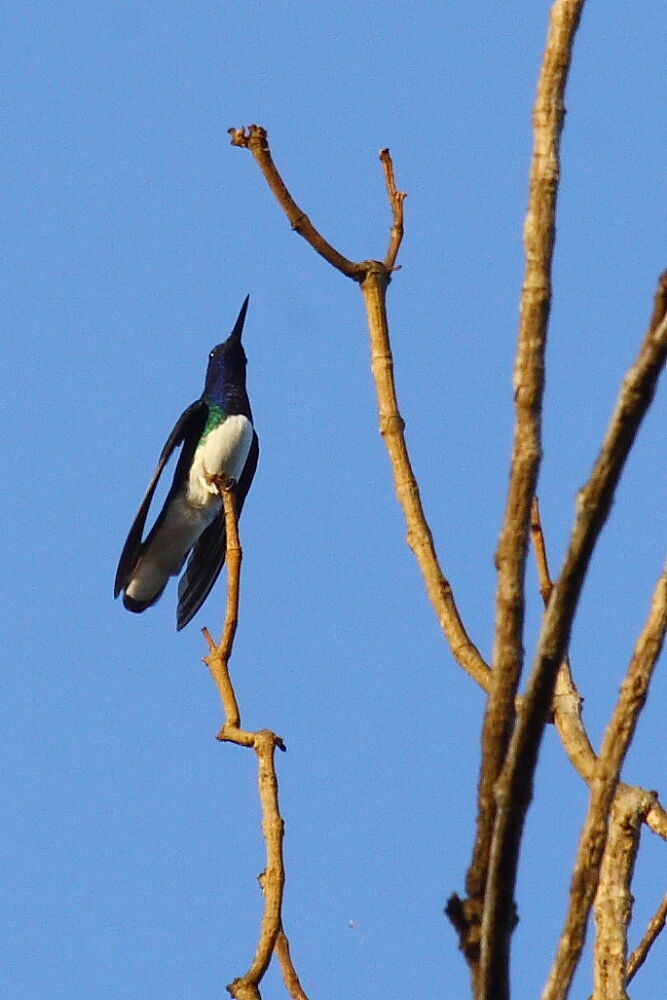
<point x="218" y="443"/>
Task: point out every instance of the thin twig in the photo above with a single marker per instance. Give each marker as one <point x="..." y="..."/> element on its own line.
<point x="264" y="744"/>
<point x="496" y="910"/>
<point x="290" y="978"/>
<point x="567" y="701"/>
<point x="639" y="955"/>
<point x="396" y="199"/>
<point x="373" y="277"/>
<point x="540" y="549"/>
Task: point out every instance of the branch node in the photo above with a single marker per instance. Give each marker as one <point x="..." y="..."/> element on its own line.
<point x="300" y="222"/>
<point x="465" y="915"/>
<point x="392" y="423"/>
<point x="264" y="743"/>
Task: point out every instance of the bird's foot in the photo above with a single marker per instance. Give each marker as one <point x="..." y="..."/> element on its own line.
<point x="220" y="482"/>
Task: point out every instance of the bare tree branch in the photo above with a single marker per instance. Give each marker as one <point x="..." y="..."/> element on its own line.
<point x="510" y="751"/>
<point x="566" y="705"/>
<point x="496" y="912"/>
<point x="514" y="788"/>
<point x="419" y="536"/>
<point x="396" y="199"/>
<point x="654" y="928"/>
<point x="540" y="549"/>
<point x="264" y="744"/>
<point x="255" y="139"/>
<point x="615" y="744"/>
<point x="613" y="900"/>
<point x="374" y="277"/>
<point x="290" y="978"/>
<point x="567" y="701"/>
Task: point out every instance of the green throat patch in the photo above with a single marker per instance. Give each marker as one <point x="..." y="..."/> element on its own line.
<point x="216" y="415"/>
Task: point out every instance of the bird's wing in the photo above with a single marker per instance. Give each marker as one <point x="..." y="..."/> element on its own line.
<point x="208" y="555"/>
<point x="188" y="429"/>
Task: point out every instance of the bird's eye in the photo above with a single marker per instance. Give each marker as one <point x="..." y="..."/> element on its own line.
<point x="210" y="357"/>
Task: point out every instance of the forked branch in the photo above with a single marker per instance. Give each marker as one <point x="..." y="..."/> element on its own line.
<point x="514" y="787"/>
<point x="632" y="806"/>
<point x="617" y="738"/>
<point x="566" y="704"/>
<point x="613" y="900"/>
<point x="373" y="277"/>
<point x="264" y="743"/>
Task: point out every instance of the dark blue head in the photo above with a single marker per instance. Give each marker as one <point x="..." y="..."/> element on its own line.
<point x="225" y="375"/>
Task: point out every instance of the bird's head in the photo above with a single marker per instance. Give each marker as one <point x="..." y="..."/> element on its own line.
<point x="227" y="362"/>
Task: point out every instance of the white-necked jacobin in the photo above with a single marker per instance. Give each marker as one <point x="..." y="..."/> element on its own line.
<point x="218" y="438"/>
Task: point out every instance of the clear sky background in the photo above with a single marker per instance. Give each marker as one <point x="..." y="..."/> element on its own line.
<point x="131" y="232"/>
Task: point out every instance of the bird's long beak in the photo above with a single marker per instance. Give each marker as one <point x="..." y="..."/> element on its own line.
<point x="238" y="326"/>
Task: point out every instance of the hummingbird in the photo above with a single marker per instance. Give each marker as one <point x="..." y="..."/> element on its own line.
<point x="218" y="439"/>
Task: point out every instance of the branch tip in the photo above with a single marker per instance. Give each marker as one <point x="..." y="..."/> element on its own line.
<point x="396" y="199"/>
<point x="255" y="138"/>
<point x="209" y="640"/>
<point x="659" y="303"/>
<point x="238" y="137"/>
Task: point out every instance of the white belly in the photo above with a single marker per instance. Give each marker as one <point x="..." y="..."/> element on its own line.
<point x="225" y="450"/>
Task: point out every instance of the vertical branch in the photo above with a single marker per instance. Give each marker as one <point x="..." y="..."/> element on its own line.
<point x="392" y="428"/>
<point x="613" y="900"/>
<point x="264" y="744"/>
<point x="396" y="199"/>
<point x="218" y="658"/>
<point x="272" y="880"/>
<point x="539" y="235"/>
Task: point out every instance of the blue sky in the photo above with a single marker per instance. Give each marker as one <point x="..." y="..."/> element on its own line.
<point x="131" y="232"/>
